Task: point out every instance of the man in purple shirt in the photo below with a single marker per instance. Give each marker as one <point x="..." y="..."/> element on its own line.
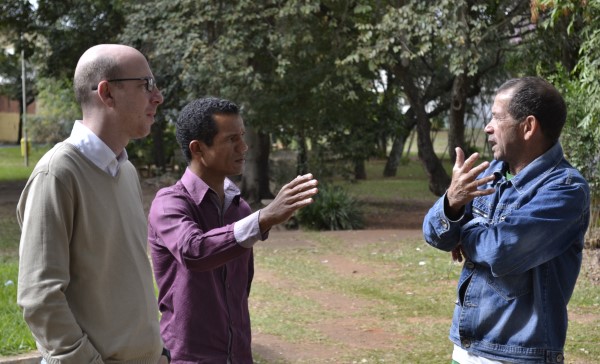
<point x="201" y="234"/>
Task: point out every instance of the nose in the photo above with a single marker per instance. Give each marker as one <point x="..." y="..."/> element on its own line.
<point x="243" y="146"/>
<point x="157" y="97"/>
<point x="488" y="129"/>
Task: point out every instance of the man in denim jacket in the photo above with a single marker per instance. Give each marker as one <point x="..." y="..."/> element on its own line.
<point x="519" y="222"/>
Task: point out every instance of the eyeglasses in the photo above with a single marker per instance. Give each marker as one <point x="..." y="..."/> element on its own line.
<point x="150" y="82"/>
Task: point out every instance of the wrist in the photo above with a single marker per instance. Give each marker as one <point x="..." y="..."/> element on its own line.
<point x="451" y="212"/>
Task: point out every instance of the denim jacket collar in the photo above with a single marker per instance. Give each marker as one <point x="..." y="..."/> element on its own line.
<point x="538" y="168"/>
<point x="533" y="171"/>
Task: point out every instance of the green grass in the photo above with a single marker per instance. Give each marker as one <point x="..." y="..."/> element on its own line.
<point x="407" y="291"/>
<point x="9" y="238"/>
<point x="410" y="182"/>
<point x="12" y="163"/>
<point x="16" y="337"/>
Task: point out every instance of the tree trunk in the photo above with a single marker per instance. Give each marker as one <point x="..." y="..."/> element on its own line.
<point x="302" y="166"/>
<point x="456" y="123"/>
<point x="255" y="180"/>
<point x="395" y="157"/>
<point x="262" y="163"/>
<point x="438" y="178"/>
<point x="250" y="179"/>
<point x="360" y="172"/>
<point x="393" y="161"/>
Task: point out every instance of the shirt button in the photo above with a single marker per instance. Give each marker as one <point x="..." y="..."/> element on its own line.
<point x="560" y="358"/>
<point x="470" y="265"/>
<point x="444" y="224"/>
<point x="466" y="343"/>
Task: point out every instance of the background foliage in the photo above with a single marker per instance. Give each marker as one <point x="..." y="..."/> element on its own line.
<point x="336" y="81"/>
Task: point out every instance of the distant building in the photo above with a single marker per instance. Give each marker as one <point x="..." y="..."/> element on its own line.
<point x="9" y="119"/>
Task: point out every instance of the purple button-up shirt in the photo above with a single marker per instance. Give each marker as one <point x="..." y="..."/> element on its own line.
<point x="203" y="264"/>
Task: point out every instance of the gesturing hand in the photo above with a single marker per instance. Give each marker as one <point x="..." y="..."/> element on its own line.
<point x="293" y="196"/>
<point x="464" y="185"/>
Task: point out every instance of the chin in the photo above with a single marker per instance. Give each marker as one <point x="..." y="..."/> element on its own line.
<point x="238" y="171"/>
<point x="145" y="131"/>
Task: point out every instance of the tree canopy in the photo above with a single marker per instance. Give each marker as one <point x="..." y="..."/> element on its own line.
<point x="345" y="79"/>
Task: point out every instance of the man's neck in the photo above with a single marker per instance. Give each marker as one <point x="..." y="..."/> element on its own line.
<point x="216" y="183"/>
<point x="114" y="142"/>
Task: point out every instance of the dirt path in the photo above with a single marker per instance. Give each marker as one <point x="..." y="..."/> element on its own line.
<point x="355" y="332"/>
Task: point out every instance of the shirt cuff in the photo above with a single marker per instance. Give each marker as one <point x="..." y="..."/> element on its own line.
<point x="445" y="207"/>
<point x="247" y="230"/>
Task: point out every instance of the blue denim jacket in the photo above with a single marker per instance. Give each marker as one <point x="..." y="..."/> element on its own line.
<point x="523" y="245"/>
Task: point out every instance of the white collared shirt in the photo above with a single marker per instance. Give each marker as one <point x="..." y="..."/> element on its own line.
<point x="462" y="356"/>
<point x="94" y="149"/>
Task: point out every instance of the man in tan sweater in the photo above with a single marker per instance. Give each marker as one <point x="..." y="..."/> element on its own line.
<point x="85" y="282"/>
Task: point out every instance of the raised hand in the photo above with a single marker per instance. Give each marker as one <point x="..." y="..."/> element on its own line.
<point x="293" y="196"/>
<point x="464" y="185"/>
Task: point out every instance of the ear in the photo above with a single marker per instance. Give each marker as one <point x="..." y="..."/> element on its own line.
<point x="105" y="94"/>
<point x="197" y="148"/>
<point x="531" y="127"/>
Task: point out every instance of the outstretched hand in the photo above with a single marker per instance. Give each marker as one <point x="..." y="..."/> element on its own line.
<point x="292" y="197"/>
<point x="464" y="186"/>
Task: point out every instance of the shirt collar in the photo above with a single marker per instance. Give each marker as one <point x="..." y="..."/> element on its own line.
<point x="198" y="189"/>
<point x="542" y="165"/>
<point x="94" y="149"/>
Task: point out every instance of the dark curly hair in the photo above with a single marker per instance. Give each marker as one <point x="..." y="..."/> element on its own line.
<point x="196" y="122"/>
<point x="536" y="96"/>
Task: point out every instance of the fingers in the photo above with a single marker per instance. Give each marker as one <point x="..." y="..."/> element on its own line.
<point x="484" y="180"/>
<point x="475" y="171"/>
<point x="460" y="158"/>
<point x="302" y="203"/>
<point x="457" y="254"/>
<point x="464" y="169"/>
<point x="293" y="196"/>
<point x="468" y="166"/>
<point x="465" y="185"/>
<point x="297" y="193"/>
<point x="300" y="200"/>
<point x="300" y="180"/>
<point x="301" y="184"/>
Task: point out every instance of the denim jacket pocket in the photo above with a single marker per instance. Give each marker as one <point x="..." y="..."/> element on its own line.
<point x="510" y="287"/>
<point x="481" y="208"/>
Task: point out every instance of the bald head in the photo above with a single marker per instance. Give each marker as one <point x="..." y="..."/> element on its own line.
<point x="101" y="62"/>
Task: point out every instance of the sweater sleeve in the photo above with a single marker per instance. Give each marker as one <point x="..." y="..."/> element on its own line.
<point x="46" y="212"/>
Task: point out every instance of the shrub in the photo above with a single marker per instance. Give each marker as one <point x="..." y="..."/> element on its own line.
<point x="57" y="110"/>
<point x="333" y="209"/>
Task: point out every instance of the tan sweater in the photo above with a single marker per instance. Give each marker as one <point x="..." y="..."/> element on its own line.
<point x="85" y="282"/>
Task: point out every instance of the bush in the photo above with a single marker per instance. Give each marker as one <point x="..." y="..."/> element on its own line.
<point x="333" y="209"/>
<point x="57" y="110"/>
